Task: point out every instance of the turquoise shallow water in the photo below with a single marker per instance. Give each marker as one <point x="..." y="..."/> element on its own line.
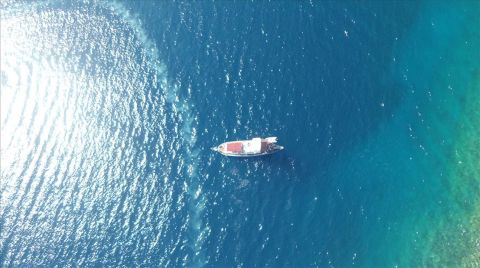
<point x="109" y="108"/>
<point x="423" y="164"/>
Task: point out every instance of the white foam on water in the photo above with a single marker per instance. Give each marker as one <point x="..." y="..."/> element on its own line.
<point x="48" y="120"/>
<point x="80" y="131"/>
<point x="198" y="231"/>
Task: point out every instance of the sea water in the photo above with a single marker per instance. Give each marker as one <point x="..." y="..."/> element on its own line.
<point x="109" y="108"/>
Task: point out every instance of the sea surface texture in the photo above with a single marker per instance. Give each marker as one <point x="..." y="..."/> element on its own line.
<point x="109" y="109"/>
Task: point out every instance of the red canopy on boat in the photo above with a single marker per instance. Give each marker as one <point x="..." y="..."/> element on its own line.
<point x="234" y="147"/>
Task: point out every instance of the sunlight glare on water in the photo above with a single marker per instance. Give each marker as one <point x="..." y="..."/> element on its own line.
<point x="80" y="103"/>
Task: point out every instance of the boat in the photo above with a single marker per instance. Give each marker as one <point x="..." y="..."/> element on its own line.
<point x="249" y="148"/>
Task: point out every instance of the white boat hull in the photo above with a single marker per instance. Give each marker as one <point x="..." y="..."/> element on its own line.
<point x="249" y="148"/>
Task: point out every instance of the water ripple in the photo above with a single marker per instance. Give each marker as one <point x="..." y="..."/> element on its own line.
<point x="84" y="124"/>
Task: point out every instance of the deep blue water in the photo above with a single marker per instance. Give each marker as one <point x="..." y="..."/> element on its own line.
<point x="109" y="110"/>
<point x="290" y="70"/>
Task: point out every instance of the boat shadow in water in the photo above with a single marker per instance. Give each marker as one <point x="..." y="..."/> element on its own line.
<point x="280" y="163"/>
